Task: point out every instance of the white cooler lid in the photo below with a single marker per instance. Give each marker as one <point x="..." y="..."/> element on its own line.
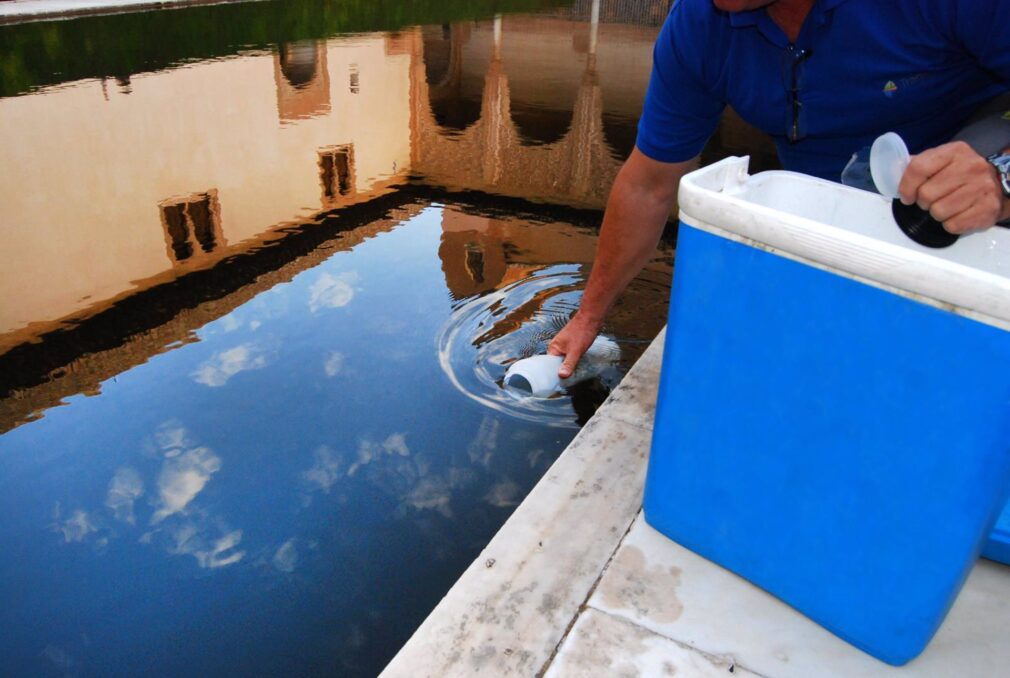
<point x="850" y="232"/>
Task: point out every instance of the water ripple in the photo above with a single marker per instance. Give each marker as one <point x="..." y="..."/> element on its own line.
<point x="487" y="333"/>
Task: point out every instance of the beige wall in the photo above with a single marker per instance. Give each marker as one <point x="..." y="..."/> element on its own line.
<point x="85" y="167"/>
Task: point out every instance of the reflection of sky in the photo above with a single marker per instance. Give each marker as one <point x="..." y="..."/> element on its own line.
<point x="290" y="494"/>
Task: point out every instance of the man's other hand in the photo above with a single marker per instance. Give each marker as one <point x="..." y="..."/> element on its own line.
<point x="957" y="185"/>
<point x="572" y="341"/>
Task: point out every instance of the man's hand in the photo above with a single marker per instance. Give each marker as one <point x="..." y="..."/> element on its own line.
<point x="572" y="342"/>
<point x="640" y="202"/>
<point x="958" y="187"/>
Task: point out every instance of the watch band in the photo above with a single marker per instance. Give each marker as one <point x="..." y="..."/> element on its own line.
<point x="1001" y="161"/>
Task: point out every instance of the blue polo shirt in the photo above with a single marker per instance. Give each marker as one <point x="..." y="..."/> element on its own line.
<point x="857" y="69"/>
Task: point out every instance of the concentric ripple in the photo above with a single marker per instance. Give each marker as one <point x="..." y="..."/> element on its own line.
<point x="487" y="333"/>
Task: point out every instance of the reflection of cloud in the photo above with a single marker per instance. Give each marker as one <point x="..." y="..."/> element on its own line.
<point x="77" y="527"/>
<point x="224" y="365"/>
<point x="369" y="451"/>
<point x="329" y="291"/>
<point x="334" y="364"/>
<point x="505" y="493"/>
<point x="431" y="493"/>
<point x="286" y="557"/>
<point x="182" y="478"/>
<point x="484" y="443"/>
<point x="171" y="438"/>
<point x="188" y="540"/>
<point x="230" y="323"/>
<point x="62" y="660"/>
<point x="124" y="489"/>
<point x="327" y="469"/>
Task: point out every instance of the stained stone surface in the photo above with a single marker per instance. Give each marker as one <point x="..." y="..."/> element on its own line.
<point x="661" y="586"/>
<point x="634" y="401"/>
<point x="576" y="583"/>
<point x="602" y="645"/>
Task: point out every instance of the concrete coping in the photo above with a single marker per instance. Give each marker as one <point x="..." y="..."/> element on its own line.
<point x="19" y="11"/>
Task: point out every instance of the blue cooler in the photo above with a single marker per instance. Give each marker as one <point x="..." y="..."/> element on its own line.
<point x="833" y="420"/>
<point x="998" y="546"/>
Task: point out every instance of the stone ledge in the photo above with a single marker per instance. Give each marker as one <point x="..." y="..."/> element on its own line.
<point x="20" y="11"/>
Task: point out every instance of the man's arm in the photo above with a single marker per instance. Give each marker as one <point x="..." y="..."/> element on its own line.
<point x="639" y="204"/>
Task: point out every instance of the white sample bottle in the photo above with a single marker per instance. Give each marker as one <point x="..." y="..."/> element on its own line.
<point x="537" y="376"/>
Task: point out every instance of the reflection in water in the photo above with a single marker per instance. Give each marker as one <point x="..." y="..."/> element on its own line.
<point x="260" y="352"/>
<point x="298" y="62"/>
<point x="125" y="488"/>
<point x="226" y="364"/>
<point x="192" y="225"/>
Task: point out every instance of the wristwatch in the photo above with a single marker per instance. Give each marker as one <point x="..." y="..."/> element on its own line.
<point x="1001" y="161"/>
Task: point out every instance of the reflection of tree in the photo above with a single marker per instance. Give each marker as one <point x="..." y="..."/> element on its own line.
<point x="48" y="52"/>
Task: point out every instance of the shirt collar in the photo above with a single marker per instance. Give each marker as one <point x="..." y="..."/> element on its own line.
<point x="752" y="17"/>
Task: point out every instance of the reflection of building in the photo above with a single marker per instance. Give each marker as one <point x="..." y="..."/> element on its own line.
<point x="147" y="215"/>
<point x="480" y="254"/>
<point x="542" y="108"/>
<point x="302" y="80"/>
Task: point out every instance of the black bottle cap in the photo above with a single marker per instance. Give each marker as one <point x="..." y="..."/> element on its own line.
<point x="916" y="223"/>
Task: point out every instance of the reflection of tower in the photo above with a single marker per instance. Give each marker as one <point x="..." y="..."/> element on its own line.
<point x="302" y="80"/>
<point x="192" y="225"/>
<point x="587" y="119"/>
<point x="495" y="111"/>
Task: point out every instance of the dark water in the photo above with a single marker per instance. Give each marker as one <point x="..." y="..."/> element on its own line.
<point x="263" y="270"/>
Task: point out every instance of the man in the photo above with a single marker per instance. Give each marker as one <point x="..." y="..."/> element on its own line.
<point x="823" y="78"/>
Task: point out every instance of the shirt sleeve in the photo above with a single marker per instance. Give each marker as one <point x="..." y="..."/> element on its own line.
<point x="680" y="112"/>
<point x="983" y="29"/>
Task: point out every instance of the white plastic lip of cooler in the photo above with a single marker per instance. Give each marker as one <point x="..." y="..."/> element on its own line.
<point x="850" y="232"/>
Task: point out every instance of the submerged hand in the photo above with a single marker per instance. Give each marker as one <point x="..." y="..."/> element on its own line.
<point x="957" y="185"/>
<point x="572" y="341"/>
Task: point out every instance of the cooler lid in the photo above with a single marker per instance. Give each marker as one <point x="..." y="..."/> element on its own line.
<point x="850" y="232"/>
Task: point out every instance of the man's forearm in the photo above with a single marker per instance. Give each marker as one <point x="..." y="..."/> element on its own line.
<point x="636" y="213"/>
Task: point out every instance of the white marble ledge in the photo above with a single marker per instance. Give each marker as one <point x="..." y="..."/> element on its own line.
<point x="657" y="585"/>
<point x="634" y="400"/>
<point x="34" y="10"/>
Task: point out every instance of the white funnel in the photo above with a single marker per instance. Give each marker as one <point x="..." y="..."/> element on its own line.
<point x="889" y="159"/>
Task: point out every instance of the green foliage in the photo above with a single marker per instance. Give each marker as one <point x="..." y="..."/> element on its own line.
<point x="46" y="53"/>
